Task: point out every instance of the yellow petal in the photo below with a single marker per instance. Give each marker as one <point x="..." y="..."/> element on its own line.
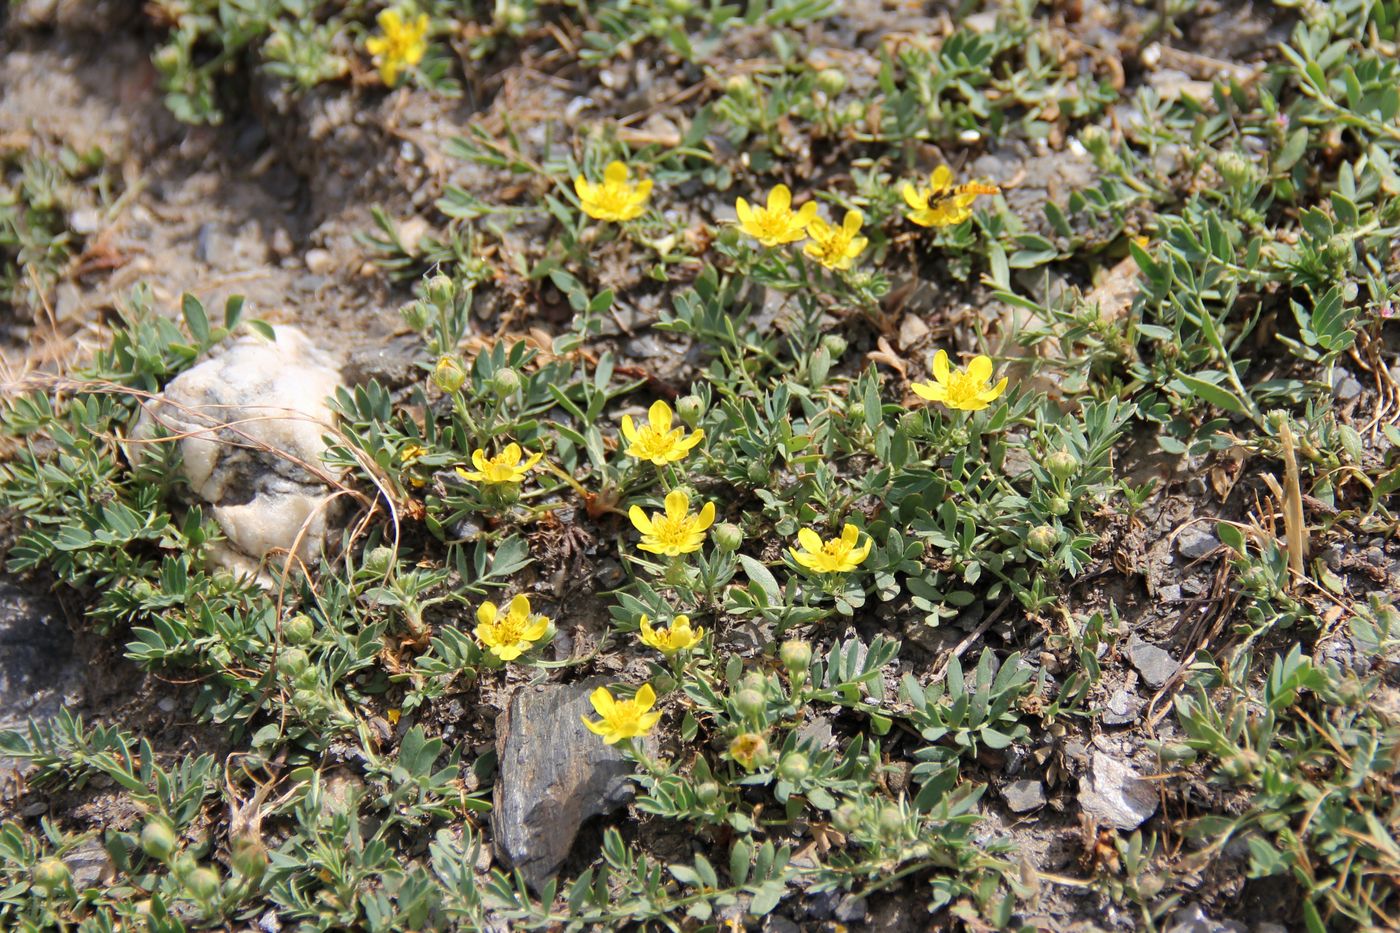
<point x="629" y="429"/>
<point x="980" y="368"/>
<point x="810" y="540"/>
<point x="940" y="179"/>
<point x="852" y="223"/>
<point x="510" y="456"/>
<point x="646" y="697"/>
<point x="640" y="520"/>
<point x="479" y="460"/>
<point x="597" y="727"/>
<point x="806" y="212"/>
<point x="677" y="504"/>
<point x="742" y="209"/>
<point x="530" y="463"/>
<point x="519" y="607"/>
<point x="706" y="517"/>
<point x="507" y="652"/>
<point x="849" y="534"/>
<point x="639" y="197"/>
<point x="660" y="416"/>
<point x="930" y="391"/>
<point x="615" y="173"/>
<point x="536" y="629"/>
<point x="941" y="370"/>
<point x="486" y="613"/>
<point x="603" y="702"/>
<point x="779" y="199"/>
<point x="914" y="198"/>
<point x="995" y="391"/>
<point x="389" y="21"/>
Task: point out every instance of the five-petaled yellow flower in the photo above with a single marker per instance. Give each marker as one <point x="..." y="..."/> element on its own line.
<point x="942" y="203"/>
<point x="836" y="247"/>
<point x="615" y="198"/>
<point x="749" y="749"/>
<point x="657" y="440"/>
<point x="622" y="719"/>
<point x="501" y="469"/>
<point x="777" y="223"/>
<point x="838" y="555"/>
<point x="402" y="45"/>
<point x="679" y="636"/>
<point x="969" y="390"/>
<point x="510" y="634"/>
<point x="676" y="531"/>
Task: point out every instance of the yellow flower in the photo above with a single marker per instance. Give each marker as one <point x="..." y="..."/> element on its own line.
<point x="622" y="719"/>
<point x="678" y="637"/>
<point x="410" y="455"/>
<point x="838" y="555"/>
<point x="836" y="247"/>
<point x="676" y="531"/>
<point x="749" y="749"/>
<point x="657" y="441"/>
<point x="942" y="203"/>
<point x="967" y="391"/>
<point x="777" y="223"/>
<point x="510" y="635"/>
<point x="402" y="45"/>
<point x="503" y="468"/>
<point x="616" y="198"/>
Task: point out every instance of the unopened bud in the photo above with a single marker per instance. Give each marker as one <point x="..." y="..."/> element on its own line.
<point x="689" y="408"/>
<point x="299" y="629"/>
<point x="203" y="883"/>
<point x="794" y="767"/>
<point x="835" y="344"/>
<point x="831" y="80"/>
<point x="1043" y="538"/>
<point x="1062" y="464"/>
<point x="449" y="375"/>
<point x="749" y="702"/>
<point x="49" y="874"/>
<point x="728" y="536"/>
<point x="796" y="655"/>
<point x="158" y="838"/>
<point x="506" y="381"/>
<point x="441" y="291"/>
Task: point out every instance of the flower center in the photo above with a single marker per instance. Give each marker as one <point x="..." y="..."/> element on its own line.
<point x="962" y="388"/>
<point x="652" y="442"/>
<point x="613" y="197"/>
<point x="670" y="530"/>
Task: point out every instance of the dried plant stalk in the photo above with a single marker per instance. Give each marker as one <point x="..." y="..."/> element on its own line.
<point x="1293" y="526"/>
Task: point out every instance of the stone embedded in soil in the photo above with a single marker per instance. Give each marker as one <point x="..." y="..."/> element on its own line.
<point x="90" y="865"/>
<point x="1024" y="796"/>
<point x="1121" y="708"/>
<point x="1114" y="795"/>
<point x="1153" y="664"/>
<point x="262" y="473"/>
<point x="1195" y="543"/>
<point x="38" y="667"/>
<point x="1192" y="919"/>
<point x="554" y="774"/>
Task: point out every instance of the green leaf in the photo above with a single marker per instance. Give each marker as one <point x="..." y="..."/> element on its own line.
<point x="195" y="318"/>
<point x="1292" y="150"/>
<point x="1218" y="396"/>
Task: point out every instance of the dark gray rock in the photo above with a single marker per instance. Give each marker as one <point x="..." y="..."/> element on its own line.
<point x="1346" y="387"/>
<point x="1192" y="919"/>
<point x="1114" y="795"/>
<point x="850" y="909"/>
<point x="1024" y="796"/>
<point x="89" y="864"/>
<point x="393" y="364"/>
<point x="1121" y="709"/>
<point x="1154" y="665"/>
<point x="38" y="668"/>
<point x="1195" y="543"/>
<point x="554" y="774"/>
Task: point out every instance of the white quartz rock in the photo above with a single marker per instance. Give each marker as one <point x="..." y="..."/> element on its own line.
<point x="251" y="422"/>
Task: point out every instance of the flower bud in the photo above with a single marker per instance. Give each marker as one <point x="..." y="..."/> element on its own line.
<point x="891" y="823"/>
<point x="796" y="656"/>
<point x="167" y="58"/>
<point x="831" y="80"/>
<point x="1235" y="169"/>
<point x="749" y="702"/>
<point x="707" y="793"/>
<point x="689" y="408"/>
<point x="248" y="857"/>
<point x="49" y="874"/>
<point x="794" y="767"/>
<point x="1061" y="463"/>
<point x="378" y="560"/>
<point x="292" y="661"/>
<point x="1042" y="538"/>
<point x="505" y="382"/>
<point x="299" y="629"/>
<point x="449" y="375"/>
<point x="739" y="85"/>
<point x="856" y="411"/>
<point x="441" y="291"/>
<point x="158" y="838"/>
<point x="847" y="817"/>
<point x="416" y="315"/>
<point x="308" y="678"/>
<point x="203" y="884"/>
<point x="835" y="344"/>
<point x="853" y="112"/>
<point x="758" y="472"/>
<point x="1058" y="506"/>
<point x="728" y="536"/>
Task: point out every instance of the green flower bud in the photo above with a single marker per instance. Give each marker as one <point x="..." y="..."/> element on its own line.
<point x="749" y="702"/>
<point x="168" y="58"/>
<point x="854" y="112"/>
<point x="248" y="857"/>
<point x="835" y="344"/>
<point x="847" y="817"/>
<point x="1062" y="464"/>
<point x="707" y="793"/>
<point x="50" y="874"/>
<point x="758" y="472"/>
<point x="203" y="884"/>
<point x="794" y="767"/>
<point x="856" y="412"/>
<point x="728" y="536"/>
<point x="1043" y="538"/>
<point x="505" y="382"/>
<point x="292" y="661"/>
<point x="416" y="315"/>
<point x="158" y="838"/>
<point x="690" y="409"/>
<point x="891" y="823"/>
<point x="308" y="678"/>
<point x="796" y="656"/>
<point x="1235" y="169"/>
<point x="299" y="629"/>
<point x="832" y="81"/>
<point x="441" y="291"/>
<point x="739" y="85"/>
<point x="378" y="560"/>
<point x="1058" y="505"/>
<point x="449" y="375"/>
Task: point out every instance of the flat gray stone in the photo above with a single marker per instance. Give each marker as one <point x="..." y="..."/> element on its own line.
<point x="38" y="668"/>
<point x="1024" y="796"/>
<point x="1113" y="794"/>
<point x="1154" y="665"/>
<point x="1121" y="709"/>
<point x="1192" y="919"/>
<point x="1195" y="543"/>
<point x="554" y="774"/>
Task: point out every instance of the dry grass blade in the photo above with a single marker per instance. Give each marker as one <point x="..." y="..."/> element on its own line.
<point x="1293" y="525"/>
